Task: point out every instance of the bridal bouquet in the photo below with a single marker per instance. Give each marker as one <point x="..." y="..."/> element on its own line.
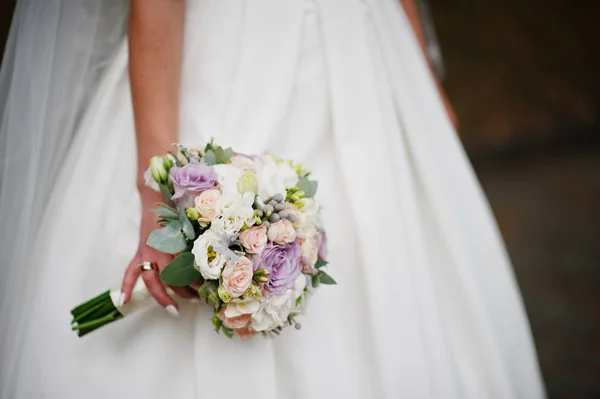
<point x="246" y="226"/>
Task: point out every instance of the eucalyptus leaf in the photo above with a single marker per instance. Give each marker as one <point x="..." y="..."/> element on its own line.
<point x="166" y="193"/>
<point x="223" y="155"/>
<point x="165" y="213"/>
<point x="188" y="228"/>
<point x="169" y="239"/>
<point x="325" y="278"/>
<point x="320" y="263"/>
<point x="181" y="271"/>
<point x="210" y="158"/>
<point x="308" y="186"/>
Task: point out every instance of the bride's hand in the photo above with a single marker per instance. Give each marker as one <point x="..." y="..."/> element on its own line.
<point x="148" y="254"/>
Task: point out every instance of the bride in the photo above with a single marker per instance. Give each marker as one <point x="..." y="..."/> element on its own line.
<point x="426" y="304"/>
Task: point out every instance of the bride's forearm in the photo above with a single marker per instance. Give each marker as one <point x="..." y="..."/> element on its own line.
<point x="155" y="52"/>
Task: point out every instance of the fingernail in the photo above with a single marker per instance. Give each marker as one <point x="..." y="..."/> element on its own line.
<point x="122" y="298"/>
<point x="170" y="291"/>
<point x="195" y="300"/>
<point x="172" y="310"/>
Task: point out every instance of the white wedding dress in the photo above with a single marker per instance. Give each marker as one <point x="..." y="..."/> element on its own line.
<point x="426" y="304"/>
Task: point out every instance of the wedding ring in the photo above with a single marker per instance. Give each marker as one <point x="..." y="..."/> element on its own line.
<point x="147" y="266"/>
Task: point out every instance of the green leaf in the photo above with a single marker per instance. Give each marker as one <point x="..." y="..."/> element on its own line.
<point x="165" y="213"/>
<point x="325" y="278"/>
<point x="223" y="155"/>
<point x="308" y="186"/>
<point x="188" y="228"/>
<point x="227" y="331"/>
<point x="169" y="239"/>
<point x="315" y="281"/>
<point x="210" y="158"/>
<point x="181" y="271"/>
<point x="320" y="263"/>
<point x="166" y="193"/>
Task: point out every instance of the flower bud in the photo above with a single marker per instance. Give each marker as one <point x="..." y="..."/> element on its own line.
<point x="299" y="204"/>
<point x="295" y="197"/>
<point x="300" y="193"/>
<point x="261" y="272"/>
<point x="225" y="297"/>
<point x="247" y="183"/>
<point x="168" y="162"/>
<point x="192" y="214"/>
<point x="157" y="168"/>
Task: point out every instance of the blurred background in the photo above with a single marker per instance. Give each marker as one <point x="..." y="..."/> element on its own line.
<point x="523" y="77"/>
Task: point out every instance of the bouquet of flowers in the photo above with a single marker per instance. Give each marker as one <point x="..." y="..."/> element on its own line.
<point x="247" y="227"/>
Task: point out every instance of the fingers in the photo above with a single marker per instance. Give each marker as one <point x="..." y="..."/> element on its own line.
<point x="131" y="275"/>
<point x="184" y="292"/>
<point x="159" y="292"/>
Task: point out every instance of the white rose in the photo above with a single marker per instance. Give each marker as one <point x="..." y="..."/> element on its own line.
<point x="209" y="261"/>
<point x="272" y="314"/>
<point x="282" y="232"/>
<point x="207" y="205"/>
<point x="228" y="176"/>
<point x="274" y="178"/>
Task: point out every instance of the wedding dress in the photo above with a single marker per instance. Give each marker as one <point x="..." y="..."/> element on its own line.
<point x="426" y="304"/>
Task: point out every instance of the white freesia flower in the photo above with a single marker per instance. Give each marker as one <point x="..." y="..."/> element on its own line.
<point x="228" y="176"/>
<point x="274" y="178"/>
<point x="275" y="310"/>
<point x="209" y="260"/>
<point x="235" y="309"/>
<point x="234" y="210"/>
<point x="150" y="182"/>
<point x="309" y="220"/>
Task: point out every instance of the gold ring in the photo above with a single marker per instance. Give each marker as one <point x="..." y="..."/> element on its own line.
<point x="147" y="266"/>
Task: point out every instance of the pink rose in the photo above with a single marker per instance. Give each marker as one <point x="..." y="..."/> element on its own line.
<point x="310" y="252"/>
<point x="234" y="322"/>
<point x="293" y="210"/>
<point x="237" y="277"/>
<point x="245" y="332"/>
<point x="206" y="205"/>
<point x="254" y="239"/>
<point x="282" y="232"/>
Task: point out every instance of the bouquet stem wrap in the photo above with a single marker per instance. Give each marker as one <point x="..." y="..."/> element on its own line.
<point x="104" y="308"/>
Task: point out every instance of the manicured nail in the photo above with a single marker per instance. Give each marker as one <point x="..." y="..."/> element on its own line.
<point x="122" y="298"/>
<point x="172" y="310"/>
<point x="170" y="291"/>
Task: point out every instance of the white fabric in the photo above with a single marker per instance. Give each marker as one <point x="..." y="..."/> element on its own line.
<point x="426" y="306"/>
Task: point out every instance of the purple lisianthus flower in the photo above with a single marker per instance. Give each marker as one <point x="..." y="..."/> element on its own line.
<point x="322" y="241"/>
<point x="283" y="262"/>
<point x="191" y="180"/>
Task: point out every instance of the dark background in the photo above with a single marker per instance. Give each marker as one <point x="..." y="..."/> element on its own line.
<point x="523" y="79"/>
